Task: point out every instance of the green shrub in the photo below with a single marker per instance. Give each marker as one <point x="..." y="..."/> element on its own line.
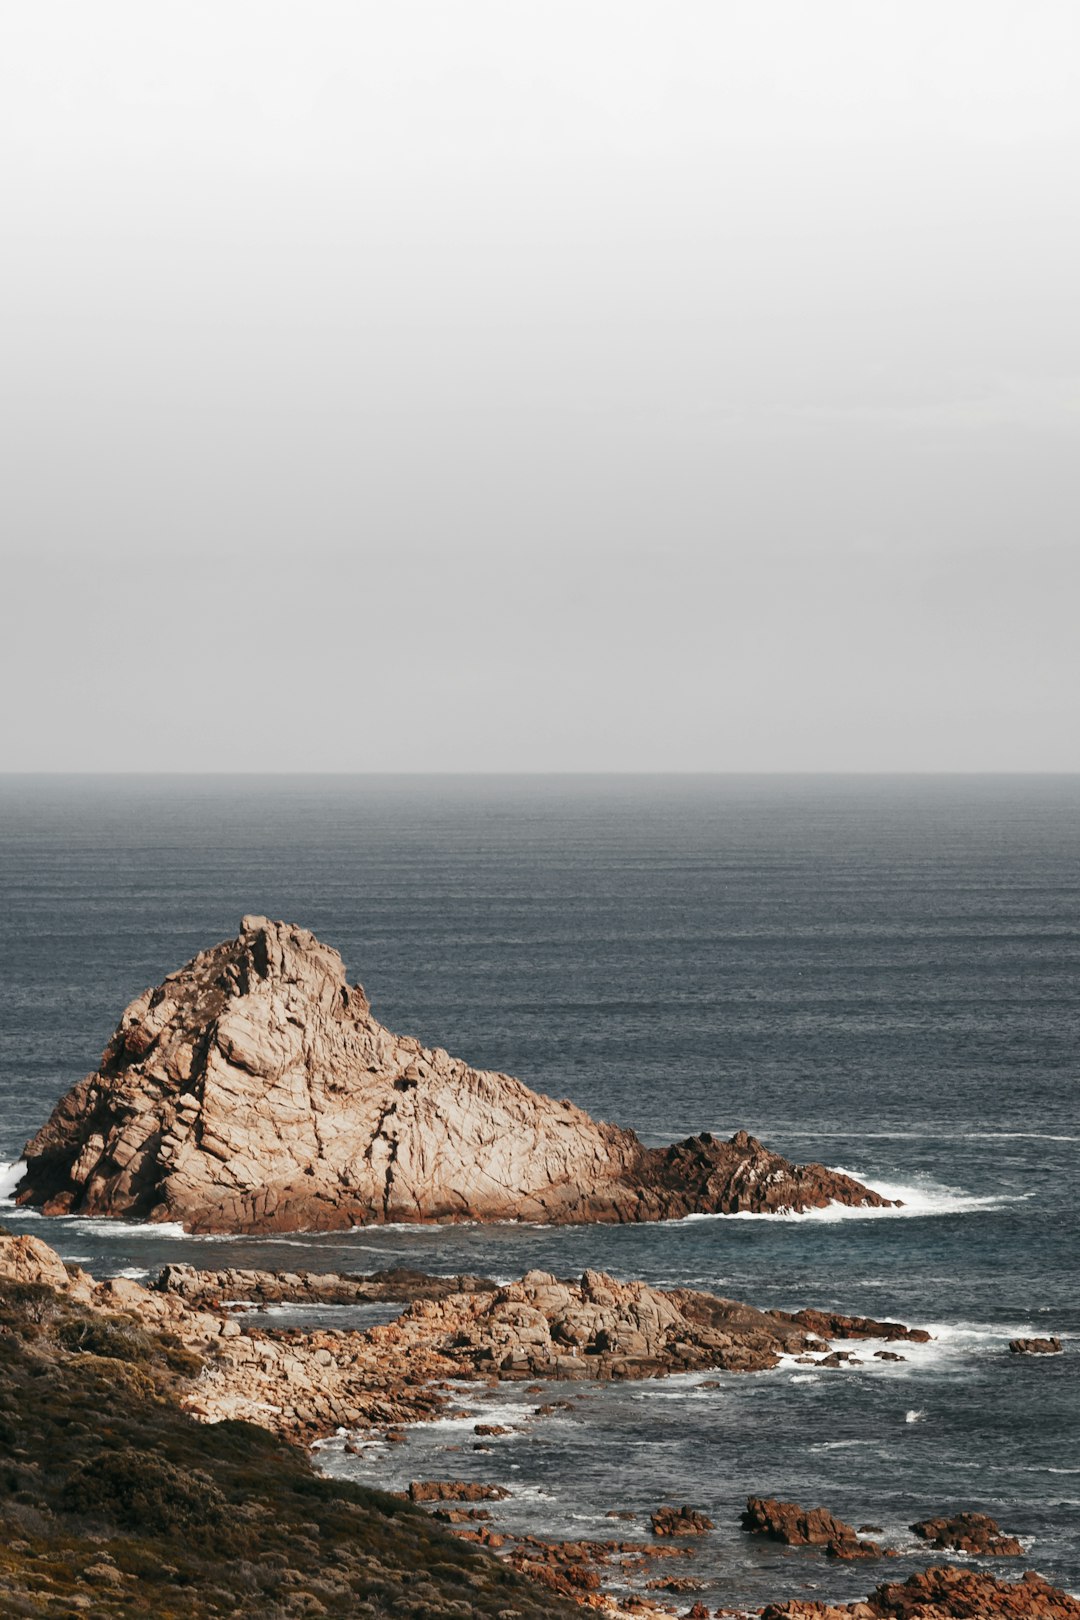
<point x="109" y="1336"/>
<point x="142" y="1491"/>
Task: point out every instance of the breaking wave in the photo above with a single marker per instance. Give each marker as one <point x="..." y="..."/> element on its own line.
<point x="916" y="1202"/>
<point x="10" y="1176"/>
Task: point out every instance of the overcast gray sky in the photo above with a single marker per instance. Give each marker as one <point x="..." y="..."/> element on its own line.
<point x="448" y="385"/>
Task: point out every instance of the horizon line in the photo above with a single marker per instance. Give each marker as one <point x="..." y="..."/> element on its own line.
<point x="347" y="775"/>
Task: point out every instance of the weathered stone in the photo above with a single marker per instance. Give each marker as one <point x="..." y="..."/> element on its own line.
<point x="805" y="1527"/>
<point x="455" y="1490"/>
<point x="947" y="1593"/>
<point x="306" y="1384"/>
<point x="680" y="1521"/>
<point x="253" y="1091"/>
<point x="969" y="1532"/>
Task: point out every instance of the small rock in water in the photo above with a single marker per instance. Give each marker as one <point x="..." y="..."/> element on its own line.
<point x="684" y="1521"/>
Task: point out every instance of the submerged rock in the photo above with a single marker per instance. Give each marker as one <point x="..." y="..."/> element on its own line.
<point x="254" y="1091"/>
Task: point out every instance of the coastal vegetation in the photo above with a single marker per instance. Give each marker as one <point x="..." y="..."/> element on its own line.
<point x="114" y="1502"/>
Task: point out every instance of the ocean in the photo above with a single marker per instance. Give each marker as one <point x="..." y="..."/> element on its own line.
<point x="877" y="972"/>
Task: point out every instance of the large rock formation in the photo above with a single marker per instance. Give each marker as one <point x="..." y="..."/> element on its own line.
<point x="254" y="1091"/>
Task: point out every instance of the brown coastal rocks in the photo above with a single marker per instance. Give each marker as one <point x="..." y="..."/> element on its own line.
<point x="455" y="1490"/>
<point x="970" y="1533"/>
<point x="399" y="1284"/>
<point x="945" y="1593"/>
<point x="1035" y="1347"/>
<point x="28" y="1260"/>
<point x="305" y="1384"/>
<point x="681" y="1521"/>
<point x="830" y="1325"/>
<point x="805" y="1527"/>
<point x="253" y="1091"/>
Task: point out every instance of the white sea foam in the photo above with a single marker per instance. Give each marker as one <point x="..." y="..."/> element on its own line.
<point x="914" y="1415"/>
<point x="926" y="1136"/>
<point x="965" y="1337"/>
<point x="107" y="1226"/>
<point x="10" y="1176"/>
<point x="916" y="1202"/>
<point x="134" y="1272"/>
<point x="93" y="1225"/>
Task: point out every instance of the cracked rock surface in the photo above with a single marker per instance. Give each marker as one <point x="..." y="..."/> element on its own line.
<point x="253" y="1091"/>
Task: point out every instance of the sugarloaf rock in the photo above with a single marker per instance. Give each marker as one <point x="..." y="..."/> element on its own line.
<point x="253" y="1091"/>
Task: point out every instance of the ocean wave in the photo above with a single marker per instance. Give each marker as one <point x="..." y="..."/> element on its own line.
<point x="11" y="1173"/>
<point x="106" y="1226"/>
<point x="972" y="1335"/>
<point x="823" y="1134"/>
<point x="98" y="1225"/>
<point x="917" y="1202"/>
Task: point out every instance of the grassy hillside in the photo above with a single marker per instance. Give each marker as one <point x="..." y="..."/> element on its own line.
<point x="114" y="1503"/>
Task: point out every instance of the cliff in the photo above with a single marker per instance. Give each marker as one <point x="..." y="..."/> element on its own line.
<point x="253" y="1090"/>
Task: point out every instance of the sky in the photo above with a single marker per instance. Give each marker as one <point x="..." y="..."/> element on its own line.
<point x="490" y="385"/>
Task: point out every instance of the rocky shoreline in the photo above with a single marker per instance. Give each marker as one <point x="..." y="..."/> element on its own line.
<point x="304" y="1384"/>
<point x="300" y="1386"/>
<point x="253" y="1091"/>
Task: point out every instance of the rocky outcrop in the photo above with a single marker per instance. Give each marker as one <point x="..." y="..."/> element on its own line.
<point x="805" y="1527"/>
<point x="1035" y="1347"/>
<point x="680" y="1521"/>
<point x="113" y="1503"/>
<point x="970" y="1533"/>
<point x="399" y="1284"/>
<point x="303" y="1385"/>
<point x="455" y="1490"/>
<point x="831" y="1325"/>
<point x="26" y="1260"/>
<point x="253" y="1090"/>
<point x="943" y="1594"/>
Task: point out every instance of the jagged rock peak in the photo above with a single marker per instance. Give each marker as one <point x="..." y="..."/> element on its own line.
<point x="253" y="1090"/>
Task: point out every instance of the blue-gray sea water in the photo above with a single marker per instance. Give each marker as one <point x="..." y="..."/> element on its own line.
<point x="880" y="973"/>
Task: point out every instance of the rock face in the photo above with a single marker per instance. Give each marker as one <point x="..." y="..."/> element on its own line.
<point x="805" y="1527"/>
<point x="253" y="1091"/>
<point x="970" y="1533"/>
